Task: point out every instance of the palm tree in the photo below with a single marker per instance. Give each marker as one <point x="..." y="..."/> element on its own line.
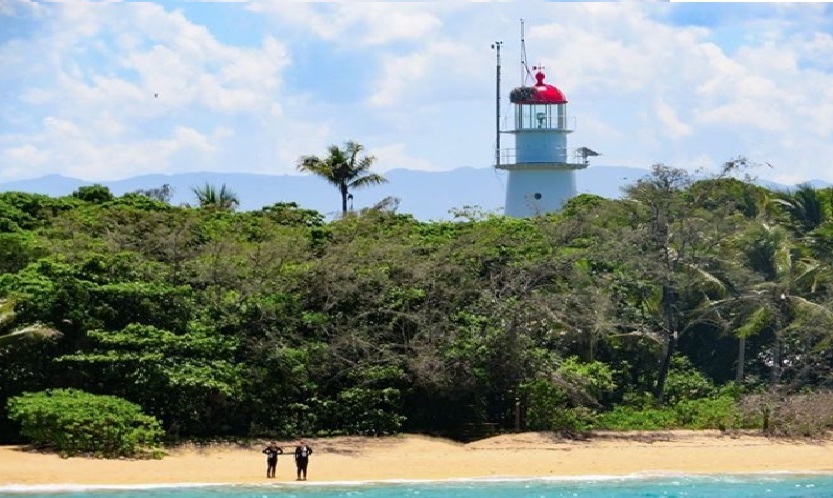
<point x="778" y="300"/>
<point x="209" y="197"/>
<point x="804" y="207"/>
<point x="673" y="249"/>
<point x="343" y="168"/>
<point x="11" y="331"/>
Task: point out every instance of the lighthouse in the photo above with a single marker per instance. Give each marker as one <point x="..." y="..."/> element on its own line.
<point x="540" y="175"/>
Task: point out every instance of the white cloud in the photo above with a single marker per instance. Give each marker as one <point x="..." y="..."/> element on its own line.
<point x="15" y="8"/>
<point x="413" y="78"/>
<point x="61" y="128"/>
<point x="92" y="154"/>
<point x="25" y="155"/>
<point x="395" y="156"/>
<point x="413" y="82"/>
<point x="307" y="138"/>
<point x="184" y="137"/>
<point x="367" y="23"/>
<point x="667" y="116"/>
<point x="643" y="90"/>
<point x="133" y="106"/>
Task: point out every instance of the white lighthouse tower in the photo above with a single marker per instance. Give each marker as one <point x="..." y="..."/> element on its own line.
<point x="540" y="176"/>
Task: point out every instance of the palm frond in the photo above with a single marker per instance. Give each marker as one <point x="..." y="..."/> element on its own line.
<point x="38" y="330"/>
<point x="7" y="314"/>
<point x="708" y="278"/>
<point x="808" y="274"/>
<point x="754" y="323"/>
<point x="808" y="309"/>
<point x="371" y="179"/>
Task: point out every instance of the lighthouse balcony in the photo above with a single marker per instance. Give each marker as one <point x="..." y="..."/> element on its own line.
<point x="542" y="158"/>
<point x="542" y="166"/>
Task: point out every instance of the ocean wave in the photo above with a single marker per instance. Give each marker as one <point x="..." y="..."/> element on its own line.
<point x="634" y="477"/>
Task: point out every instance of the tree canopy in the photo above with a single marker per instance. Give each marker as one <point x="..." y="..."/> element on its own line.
<point x="660" y="309"/>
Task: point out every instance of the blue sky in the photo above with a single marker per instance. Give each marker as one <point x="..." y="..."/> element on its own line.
<point x="251" y="86"/>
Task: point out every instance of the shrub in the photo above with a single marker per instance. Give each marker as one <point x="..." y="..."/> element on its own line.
<point x="710" y="413"/>
<point x="573" y="421"/>
<point x="95" y="193"/>
<point x="686" y="382"/>
<point x="544" y="398"/>
<point x="566" y="401"/>
<point x="75" y="422"/>
<point x="721" y="412"/>
<point x="803" y="415"/>
<point x="628" y="418"/>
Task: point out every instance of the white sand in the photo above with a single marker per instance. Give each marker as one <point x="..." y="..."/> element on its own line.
<point x="418" y="457"/>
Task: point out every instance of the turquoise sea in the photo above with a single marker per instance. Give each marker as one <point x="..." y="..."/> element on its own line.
<point x="708" y="486"/>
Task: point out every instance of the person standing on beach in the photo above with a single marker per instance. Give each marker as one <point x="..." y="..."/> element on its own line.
<point x="302" y="453"/>
<point x="272" y="451"/>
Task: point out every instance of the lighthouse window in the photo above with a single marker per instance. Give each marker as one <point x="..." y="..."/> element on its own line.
<point x="533" y="116"/>
<point x="537" y="196"/>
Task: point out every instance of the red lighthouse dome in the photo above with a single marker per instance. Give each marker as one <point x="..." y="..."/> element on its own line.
<point x="541" y="93"/>
<point x="547" y="94"/>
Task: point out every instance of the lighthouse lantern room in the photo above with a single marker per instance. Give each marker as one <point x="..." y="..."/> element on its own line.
<point x="540" y="176"/>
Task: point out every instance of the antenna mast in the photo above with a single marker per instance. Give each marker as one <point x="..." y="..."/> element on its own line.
<point x="524" y="68"/>
<point x="496" y="45"/>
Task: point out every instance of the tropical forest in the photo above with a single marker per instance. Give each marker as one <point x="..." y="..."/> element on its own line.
<point x="693" y="301"/>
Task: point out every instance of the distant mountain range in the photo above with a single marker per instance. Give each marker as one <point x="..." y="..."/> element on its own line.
<point x="427" y="195"/>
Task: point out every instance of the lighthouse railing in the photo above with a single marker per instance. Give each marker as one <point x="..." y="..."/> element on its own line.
<point x="554" y="154"/>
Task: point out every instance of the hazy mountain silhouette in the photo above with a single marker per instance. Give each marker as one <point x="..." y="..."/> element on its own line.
<point x="427" y="195"/>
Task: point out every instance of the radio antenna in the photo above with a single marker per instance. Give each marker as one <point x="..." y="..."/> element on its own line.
<point x="496" y="45"/>
<point x="524" y="68"/>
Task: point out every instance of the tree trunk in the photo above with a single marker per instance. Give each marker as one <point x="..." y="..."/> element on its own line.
<point x="776" y="360"/>
<point x="739" y="373"/>
<point x="668" y="296"/>
<point x="778" y="344"/>
<point x="343" y="190"/>
<point x="664" y="367"/>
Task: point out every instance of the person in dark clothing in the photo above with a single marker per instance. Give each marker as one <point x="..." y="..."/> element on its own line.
<point x="272" y="451"/>
<point x="302" y="453"/>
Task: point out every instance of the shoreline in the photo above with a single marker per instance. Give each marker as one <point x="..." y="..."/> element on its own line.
<point x="646" y="476"/>
<point x="413" y="458"/>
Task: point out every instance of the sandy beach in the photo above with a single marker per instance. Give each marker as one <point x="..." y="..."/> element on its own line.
<point x="419" y="457"/>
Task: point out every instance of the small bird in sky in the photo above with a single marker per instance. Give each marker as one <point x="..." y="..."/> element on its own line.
<point x="156" y="95"/>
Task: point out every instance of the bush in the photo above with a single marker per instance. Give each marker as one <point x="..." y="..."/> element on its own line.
<point x="544" y="398"/>
<point x="802" y="415"/>
<point x="566" y="401"/>
<point x="573" y="422"/>
<point x="708" y="413"/>
<point x="95" y="193"/>
<point x="711" y="413"/>
<point x="75" y="422"/>
<point x="686" y="382"/>
<point x="628" y="418"/>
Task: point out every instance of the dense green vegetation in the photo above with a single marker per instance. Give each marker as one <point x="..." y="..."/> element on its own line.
<point x="685" y="304"/>
<point x="76" y="422"/>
